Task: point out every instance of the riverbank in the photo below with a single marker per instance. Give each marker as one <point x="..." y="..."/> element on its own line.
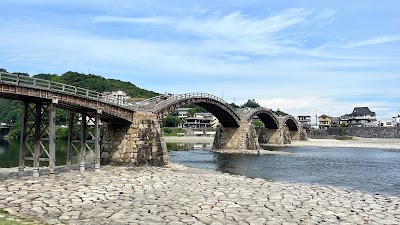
<point x="181" y="195"/>
<point x="356" y="142"/>
<point x="189" y="139"/>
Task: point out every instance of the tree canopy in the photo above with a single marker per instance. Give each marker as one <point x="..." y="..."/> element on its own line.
<point x="251" y="103"/>
<point x="11" y="110"/>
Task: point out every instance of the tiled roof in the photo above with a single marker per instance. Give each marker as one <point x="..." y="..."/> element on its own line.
<point x="359" y="111"/>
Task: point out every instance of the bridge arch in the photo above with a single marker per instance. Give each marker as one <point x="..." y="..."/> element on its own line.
<point x="290" y="122"/>
<point x="165" y="104"/>
<point x="267" y="116"/>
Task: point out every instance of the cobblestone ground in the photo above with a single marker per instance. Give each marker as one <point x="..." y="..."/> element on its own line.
<point x="123" y="195"/>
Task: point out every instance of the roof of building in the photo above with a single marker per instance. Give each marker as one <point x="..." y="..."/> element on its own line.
<point x="359" y="111"/>
<point x="324" y="116"/>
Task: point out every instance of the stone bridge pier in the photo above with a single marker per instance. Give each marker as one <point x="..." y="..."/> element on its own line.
<point x="236" y="138"/>
<point x="279" y="136"/>
<point x="138" y="143"/>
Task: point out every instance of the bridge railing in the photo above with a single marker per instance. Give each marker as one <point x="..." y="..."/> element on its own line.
<point x="163" y="100"/>
<point x="26" y="81"/>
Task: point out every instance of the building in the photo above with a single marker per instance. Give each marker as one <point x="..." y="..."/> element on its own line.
<point x="304" y="120"/>
<point x="396" y="120"/>
<point x="362" y="117"/>
<point x="119" y="97"/>
<point x="387" y="123"/>
<point x="324" y="121"/>
<point x="197" y="122"/>
<point x="182" y="113"/>
<point x="335" y="121"/>
<point x="344" y="120"/>
<point x="200" y="120"/>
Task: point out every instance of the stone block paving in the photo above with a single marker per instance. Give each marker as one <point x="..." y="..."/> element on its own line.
<point x="148" y="195"/>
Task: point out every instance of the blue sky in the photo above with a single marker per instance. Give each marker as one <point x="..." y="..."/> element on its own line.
<point x="298" y="56"/>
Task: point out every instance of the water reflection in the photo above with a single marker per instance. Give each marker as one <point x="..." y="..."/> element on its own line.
<point x="180" y="146"/>
<point x="9" y="153"/>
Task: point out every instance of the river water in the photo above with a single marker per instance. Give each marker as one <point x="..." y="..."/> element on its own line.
<point x="371" y="170"/>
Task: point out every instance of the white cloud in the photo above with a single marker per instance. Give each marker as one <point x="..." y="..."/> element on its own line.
<point x="115" y="19"/>
<point x="374" y="41"/>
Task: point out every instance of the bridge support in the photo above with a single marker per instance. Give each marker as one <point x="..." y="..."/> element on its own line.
<point x="82" y="143"/>
<point x="32" y="146"/>
<point x="138" y="143"/>
<point x="278" y="136"/>
<point x="299" y="135"/>
<point x="236" y="138"/>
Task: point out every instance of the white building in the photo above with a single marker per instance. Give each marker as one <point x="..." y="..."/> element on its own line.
<point x="119" y="97"/>
<point x="396" y="121"/>
<point x="304" y="119"/>
<point x="362" y="117"/>
<point x="182" y="112"/>
<point x="387" y="123"/>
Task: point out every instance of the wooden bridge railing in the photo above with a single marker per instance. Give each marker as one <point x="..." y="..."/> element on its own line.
<point x="26" y="81"/>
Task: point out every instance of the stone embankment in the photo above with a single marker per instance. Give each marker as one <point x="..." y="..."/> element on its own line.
<point x="124" y="195"/>
<point x="364" y="132"/>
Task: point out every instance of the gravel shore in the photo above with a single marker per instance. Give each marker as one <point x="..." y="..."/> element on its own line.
<point x="356" y="142"/>
<point x="179" y="195"/>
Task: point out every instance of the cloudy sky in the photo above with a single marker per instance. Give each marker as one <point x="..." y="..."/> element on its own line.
<point x="299" y="56"/>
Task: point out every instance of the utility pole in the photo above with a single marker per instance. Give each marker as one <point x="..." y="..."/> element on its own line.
<point x="316" y="119"/>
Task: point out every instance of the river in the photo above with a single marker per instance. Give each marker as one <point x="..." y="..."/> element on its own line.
<point x="370" y="170"/>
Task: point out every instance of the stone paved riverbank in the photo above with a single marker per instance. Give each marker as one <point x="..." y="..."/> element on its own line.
<point x="123" y="195"/>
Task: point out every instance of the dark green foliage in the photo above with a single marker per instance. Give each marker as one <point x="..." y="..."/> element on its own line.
<point x="171" y="121"/>
<point x="168" y="131"/>
<point x="280" y="113"/>
<point x="233" y="105"/>
<point x="251" y="103"/>
<point x="197" y="108"/>
<point x="257" y="123"/>
<point x="11" y="110"/>
<point x="98" y="83"/>
<point x="191" y="112"/>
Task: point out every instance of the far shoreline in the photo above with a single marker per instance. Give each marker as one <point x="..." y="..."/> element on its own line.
<point x="356" y="142"/>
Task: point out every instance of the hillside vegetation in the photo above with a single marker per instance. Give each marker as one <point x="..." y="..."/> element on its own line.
<point x="11" y="110"/>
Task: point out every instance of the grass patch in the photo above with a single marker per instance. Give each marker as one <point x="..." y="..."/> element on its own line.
<point x="7" y="219"/>
<point x="168" y="131"/>
<point x="344" y="138"/>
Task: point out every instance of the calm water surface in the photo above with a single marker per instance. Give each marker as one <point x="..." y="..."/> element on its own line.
<point x="371" y="170"/>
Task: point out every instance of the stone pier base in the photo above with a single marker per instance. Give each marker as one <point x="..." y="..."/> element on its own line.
<point x="299" y="135"/>
<point x="138" y="143"/>
<point x="278" y="136"/>
<point x="236" y="138"/>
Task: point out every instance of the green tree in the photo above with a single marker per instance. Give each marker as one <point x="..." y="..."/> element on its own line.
<point x="258" y="123"/>
<point x="280" y="113"/>
<point x="251" y="103"/>
<point x="171" y="121"/>
<point x="233" y="105"/>
<point x="191" y="112"/>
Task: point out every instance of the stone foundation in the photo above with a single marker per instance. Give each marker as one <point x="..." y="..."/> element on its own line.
<point x="243" y="137"/>
<point x="276" y="136"/>
<point x="138" y="143"/>
<point x="299" y="135"/>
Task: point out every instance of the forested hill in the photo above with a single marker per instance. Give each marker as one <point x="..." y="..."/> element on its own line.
<point x="11" y="110"/>
<point x="98" y="83"/>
